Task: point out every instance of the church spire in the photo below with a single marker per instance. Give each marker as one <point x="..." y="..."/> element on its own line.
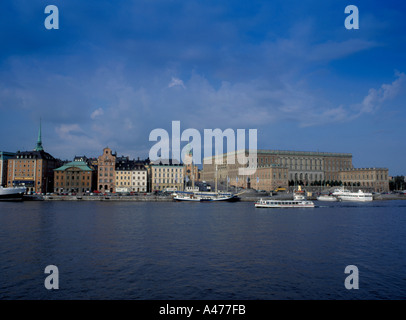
<point x="39" y="141"/>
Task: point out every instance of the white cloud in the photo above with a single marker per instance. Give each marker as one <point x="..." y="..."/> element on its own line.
<point x="66" y="130"/>
<point x="176" y="82"/>
<point x="376" y="97"/>
<point x="96" y="113"/>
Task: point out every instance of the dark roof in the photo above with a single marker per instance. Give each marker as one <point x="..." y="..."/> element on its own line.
<point x="33" y="155"/>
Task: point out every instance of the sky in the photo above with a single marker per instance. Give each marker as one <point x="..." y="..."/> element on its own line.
<point x="116" y="70"/>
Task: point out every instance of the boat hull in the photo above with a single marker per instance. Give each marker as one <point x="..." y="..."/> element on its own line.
<point x="284" y="204"/>
<point x="346" y="195"/>
<point x="356" y="199"/>
<point x="207" y="199"/>
<point x="11" y="194"/>
<point x="328" y="198"/>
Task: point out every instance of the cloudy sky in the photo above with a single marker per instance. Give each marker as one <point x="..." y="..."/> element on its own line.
<point x="116" y="70"/>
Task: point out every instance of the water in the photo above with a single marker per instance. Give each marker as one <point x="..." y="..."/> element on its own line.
<point x="205" y="251"/>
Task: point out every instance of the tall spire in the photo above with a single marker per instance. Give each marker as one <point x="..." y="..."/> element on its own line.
<point x="39" y="141"/>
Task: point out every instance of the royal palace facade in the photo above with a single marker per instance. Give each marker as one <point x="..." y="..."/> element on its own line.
<point x="271" y="169"/>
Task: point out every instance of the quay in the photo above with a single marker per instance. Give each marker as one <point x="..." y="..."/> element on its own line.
<point x="143" y="198"/>
<point x="249" y="197"/>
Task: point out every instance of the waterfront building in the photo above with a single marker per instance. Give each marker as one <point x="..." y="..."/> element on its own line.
<point x="4" y="156"/>
<point x="374" y="179"/>
<point x="303" y="167"/>
<point x="76" y="176"/>
<point x="32" y="169"/>
<point x="106" y="176"/>
<point x="167" y="175"/>
<point x="139" y="177"/>
<point x="131" y="175"/>
<point x="269" y="177"/>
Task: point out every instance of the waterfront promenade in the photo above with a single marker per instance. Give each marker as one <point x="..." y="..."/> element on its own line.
<point x="162" y="198"/>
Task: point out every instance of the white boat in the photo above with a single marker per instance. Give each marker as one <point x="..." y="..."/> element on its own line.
<point x="284" y="204"/>
<point x="14" y="193"/>
<point x="327" y="197"/>
<point x="299" y="194"/>
<point x="347" y="195"/>
<point x="205" y="196"/>
<point x="299" y="201"/>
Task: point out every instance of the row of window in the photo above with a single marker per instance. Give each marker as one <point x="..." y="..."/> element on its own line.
<point x="129" y="178"/>
<point x="169" y="169"/>
<point x="71" y="177"/>
<point x="129" y="183"/>
<point x="377" y="177"/>
<point x="168" y="175"/>
<point x="166" y="181"/>
<point x="70" y="184"/>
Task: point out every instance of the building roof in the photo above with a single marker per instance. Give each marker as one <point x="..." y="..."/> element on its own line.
<point x="4" y="155"/>
<point x="39" y="147"/>
<point x="166" y="162"/>
<point x="33" y="155"/>
<point x="75" y="164"/>
<point x="284" y="153"/>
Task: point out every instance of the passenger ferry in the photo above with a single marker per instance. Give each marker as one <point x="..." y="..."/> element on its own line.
<point x="284" y="204"/>
<point x="299" y="201"/>
<point x="205" y="196"/>
<point x="347" y="195"/>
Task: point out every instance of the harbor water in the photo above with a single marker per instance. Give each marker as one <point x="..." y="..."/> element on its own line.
<point x="202" y="251"/>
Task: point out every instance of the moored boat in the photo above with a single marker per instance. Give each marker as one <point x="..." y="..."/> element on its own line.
<point x="327" y="197"/>
<point x="299" y="194"/>
<point x="12" y="194"/>
<point x="347" y="195"/>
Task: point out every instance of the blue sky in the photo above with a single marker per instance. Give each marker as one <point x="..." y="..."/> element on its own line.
<point x="116" y="70"/>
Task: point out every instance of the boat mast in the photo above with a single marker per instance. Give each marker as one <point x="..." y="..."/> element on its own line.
<point x="216" y="180"/>
<point x="193" y="177"/>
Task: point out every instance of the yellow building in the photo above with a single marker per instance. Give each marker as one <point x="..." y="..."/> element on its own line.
<point x="32" y="169"/>
<point x="294" y="167"/>
<point x="375" y="179"/>
<point x="131" y="175"/>
<point x="269" y="177"/>
<point x="167" y="177"/>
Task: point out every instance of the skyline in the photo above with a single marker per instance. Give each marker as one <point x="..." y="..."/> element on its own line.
<point x="114" y="72"/>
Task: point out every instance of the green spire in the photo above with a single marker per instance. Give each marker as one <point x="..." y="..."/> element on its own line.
<point x="39" y="141"/>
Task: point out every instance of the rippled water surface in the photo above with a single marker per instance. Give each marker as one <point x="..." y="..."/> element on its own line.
<point x="138" y="250"/>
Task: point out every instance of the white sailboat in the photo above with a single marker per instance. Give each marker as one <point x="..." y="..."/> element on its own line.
<point x="205" y="196"/>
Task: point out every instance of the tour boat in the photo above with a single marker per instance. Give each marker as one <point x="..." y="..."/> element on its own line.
<point x="14" y="193"/>
<point x="299" y="201"/>
<point x="284" y="204"/>
<point x="347" y="195"/>
<point x="205" y="196"/>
